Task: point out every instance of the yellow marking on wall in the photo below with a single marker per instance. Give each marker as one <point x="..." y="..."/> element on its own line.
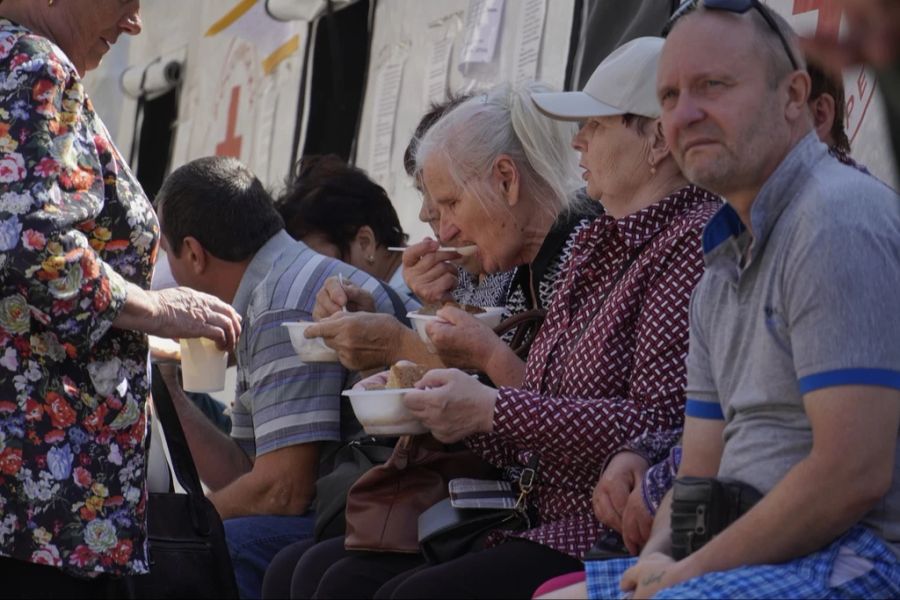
<point x="285" y="50"/>
<point x="233" y="15"/>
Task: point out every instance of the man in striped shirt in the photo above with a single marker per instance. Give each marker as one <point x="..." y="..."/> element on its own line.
<point x="223" y="236"/>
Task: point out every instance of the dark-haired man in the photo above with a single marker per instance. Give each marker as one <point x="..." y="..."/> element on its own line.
<point x="794" y="360"/>
<point x="223" y="235"/>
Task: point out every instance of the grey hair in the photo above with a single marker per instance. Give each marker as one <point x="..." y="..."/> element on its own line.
<point x="504" y="120"/>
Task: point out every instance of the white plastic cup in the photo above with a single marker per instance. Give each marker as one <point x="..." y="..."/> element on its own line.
<point x="202" y="365"/>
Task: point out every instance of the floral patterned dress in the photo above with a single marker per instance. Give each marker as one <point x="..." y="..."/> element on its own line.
<point x="74" y="227"/>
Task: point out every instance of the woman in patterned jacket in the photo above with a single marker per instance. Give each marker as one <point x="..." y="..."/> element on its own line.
<point x="78" y="239"/>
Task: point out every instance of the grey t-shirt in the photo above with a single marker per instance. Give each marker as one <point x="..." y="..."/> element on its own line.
<point x="816" y="306"/>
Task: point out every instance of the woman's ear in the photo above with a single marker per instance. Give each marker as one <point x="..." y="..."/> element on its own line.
<point x="196" y="254"/>
<point x="506" y="176"/>
<point x="659" y="147"/>
<point x="363" y="245"/>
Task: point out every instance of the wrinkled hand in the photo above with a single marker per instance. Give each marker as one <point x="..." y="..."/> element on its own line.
<point x="427" y="273"/>
<point x="461" y="340"/>
<point x="651" y="574"/>
<point x="334" y="296"/>
<point x="363" y="340"/>
<point x="620" y="478"/>
<point x="452" y="404"/>
<point x="186" y="313"/>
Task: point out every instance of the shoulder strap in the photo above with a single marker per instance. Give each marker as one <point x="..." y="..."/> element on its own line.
<point x="179" y="451"/>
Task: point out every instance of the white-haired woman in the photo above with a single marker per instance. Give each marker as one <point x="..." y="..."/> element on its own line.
<point x="523" y="212"/>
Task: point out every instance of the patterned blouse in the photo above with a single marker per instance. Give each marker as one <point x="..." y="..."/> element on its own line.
<point x="607" y="365"/>
<point x="74" y="226"/>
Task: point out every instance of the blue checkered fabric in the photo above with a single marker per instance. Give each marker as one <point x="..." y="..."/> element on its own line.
<point x="807" y="577"/>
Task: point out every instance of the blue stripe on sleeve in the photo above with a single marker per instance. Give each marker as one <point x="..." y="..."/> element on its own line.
<point x="879" y="377"/>
<point x="704" y="410"/>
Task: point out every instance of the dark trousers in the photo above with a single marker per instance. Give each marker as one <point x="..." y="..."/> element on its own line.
<point x="20" y="579"/>
<point x="511" y="570"/>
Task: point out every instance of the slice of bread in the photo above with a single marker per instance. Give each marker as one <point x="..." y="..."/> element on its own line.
<point x="404" y="375"/>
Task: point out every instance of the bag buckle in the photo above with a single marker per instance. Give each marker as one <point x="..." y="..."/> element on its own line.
<point x="526" y="481"/>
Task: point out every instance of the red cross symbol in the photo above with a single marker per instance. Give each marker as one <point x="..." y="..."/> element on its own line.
<point x="231" y="145"/>
<point x="830" y="13"/>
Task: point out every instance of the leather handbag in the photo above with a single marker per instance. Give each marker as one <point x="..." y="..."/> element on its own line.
<point x="188" y="554"/>
<point x="384" y="505"/>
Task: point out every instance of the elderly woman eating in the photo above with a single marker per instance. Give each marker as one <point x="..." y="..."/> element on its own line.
<point x="535" y="244"/>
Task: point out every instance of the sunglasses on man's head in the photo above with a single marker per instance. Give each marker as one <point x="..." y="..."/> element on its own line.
<point x="734" y="6"/>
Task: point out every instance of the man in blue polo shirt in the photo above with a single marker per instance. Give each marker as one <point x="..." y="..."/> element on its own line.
<point x="794" y="361"/>
<point x="222" y="235"/>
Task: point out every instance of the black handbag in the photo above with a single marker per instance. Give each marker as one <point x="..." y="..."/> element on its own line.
<point x="350" y="463"/>
<point x="188" y="554"/>
<point x="450" y="529"/>
<point x="447" y="532"/>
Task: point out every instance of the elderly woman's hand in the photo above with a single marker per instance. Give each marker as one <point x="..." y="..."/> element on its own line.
<point x="335" y="295"/>
<point x="461" y="340"/>
<point x="618" y="502"/>
<point x="363" y="340"/>
<point x="427" y="272"/>
<point x="180" y="313"/>
<point x="452" y="404"/>
<point x="186" y="313"/>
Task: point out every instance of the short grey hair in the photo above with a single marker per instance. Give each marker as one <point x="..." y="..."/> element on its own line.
<point x="779" y="65"/>
<point x="504" y="120"/>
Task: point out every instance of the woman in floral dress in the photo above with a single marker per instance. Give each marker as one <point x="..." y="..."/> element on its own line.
<point x="78" y="240"/>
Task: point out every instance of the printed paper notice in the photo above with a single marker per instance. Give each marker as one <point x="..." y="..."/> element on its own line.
<point x="530" y="35"/>
<point x="437" y="70"/>
<point x="483" y="20"/>
<point x="387" y="96"/>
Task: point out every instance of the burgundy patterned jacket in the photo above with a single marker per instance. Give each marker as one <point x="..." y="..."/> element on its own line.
<point x="608" y="363"/>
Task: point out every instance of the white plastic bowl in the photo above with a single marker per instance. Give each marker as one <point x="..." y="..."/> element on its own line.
<point x="491" y="317"/>
<point x="309" y="349"/>
<point x="382" y="412"/>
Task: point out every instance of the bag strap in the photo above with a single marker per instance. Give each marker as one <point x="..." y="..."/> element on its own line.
<point x="526" y="325"/>
<point x="179" y="451"/>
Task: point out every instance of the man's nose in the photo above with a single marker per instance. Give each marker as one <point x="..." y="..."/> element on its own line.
<point x="132" y="24"/>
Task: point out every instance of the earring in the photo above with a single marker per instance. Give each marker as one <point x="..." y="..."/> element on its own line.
<point x="371" y="259"/>
<point x="652" y="170"/>
<point x="49" y="2"/>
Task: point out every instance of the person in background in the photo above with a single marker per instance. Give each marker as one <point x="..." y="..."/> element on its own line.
<point x="336" y="210"/>
<point x="871" y="37"/>
<point x="78" y="241"/>
<point x="222" y="235"/>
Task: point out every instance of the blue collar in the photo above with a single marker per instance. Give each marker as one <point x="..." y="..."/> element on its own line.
<point x="780" y="188"/>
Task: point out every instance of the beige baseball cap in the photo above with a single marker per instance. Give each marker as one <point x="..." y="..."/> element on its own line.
<point x="624" y="83"/>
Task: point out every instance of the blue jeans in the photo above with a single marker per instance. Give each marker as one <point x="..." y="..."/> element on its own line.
<point x="254" y="541"/>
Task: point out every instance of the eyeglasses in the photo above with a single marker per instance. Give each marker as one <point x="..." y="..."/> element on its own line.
<point x="733" y="6"/>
